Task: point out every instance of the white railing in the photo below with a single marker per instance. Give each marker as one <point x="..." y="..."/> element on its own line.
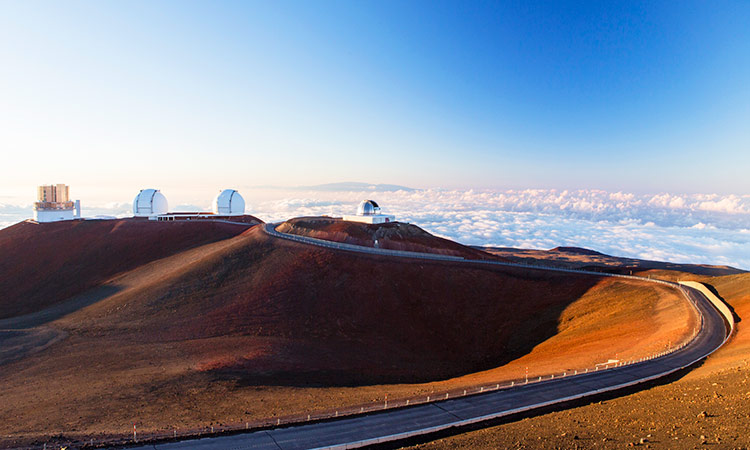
<point x="454" y="393"/>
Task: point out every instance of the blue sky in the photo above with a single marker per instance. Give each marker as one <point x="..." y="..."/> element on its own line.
<point x="116" y="96"/>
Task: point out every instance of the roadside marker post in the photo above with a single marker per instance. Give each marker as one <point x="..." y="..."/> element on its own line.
<point x="135" y="434"/>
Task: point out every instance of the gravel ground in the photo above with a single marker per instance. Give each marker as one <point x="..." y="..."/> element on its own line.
<point x="709" y="407"/>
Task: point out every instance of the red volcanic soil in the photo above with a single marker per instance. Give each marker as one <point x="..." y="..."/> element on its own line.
<point x="581" y="258"/>
<point x="577" y="251"/>
<point x="252" y="326"/>
<point x="393" y="235"/>
<point x="336" y="318"/>
<point x="46" y="263"/>
<point x="705" y="408"/>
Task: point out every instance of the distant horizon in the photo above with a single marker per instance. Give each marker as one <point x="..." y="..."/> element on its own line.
<point x="621" y="126"/>
<point x="618" y="96"/>
<point x="618" y="126"/>
<point x="25" y="195"/>
<point x="681" y="228"/>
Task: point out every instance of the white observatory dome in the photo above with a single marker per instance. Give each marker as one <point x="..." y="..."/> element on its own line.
<point x="150" y="202"/>
<point x="368" y="208"/>
<point x="229" y="203"/>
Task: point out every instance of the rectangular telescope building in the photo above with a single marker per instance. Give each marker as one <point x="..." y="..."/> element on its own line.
<point x="53" y="204"/>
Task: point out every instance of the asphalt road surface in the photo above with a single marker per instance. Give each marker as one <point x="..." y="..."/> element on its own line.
<point x="390" y="425"/>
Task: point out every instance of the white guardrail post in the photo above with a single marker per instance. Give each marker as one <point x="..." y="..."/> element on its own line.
<point x="720" y="306"/>
<point x="683" y="287"/>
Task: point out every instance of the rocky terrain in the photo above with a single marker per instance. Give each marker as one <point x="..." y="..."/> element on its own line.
<point x="393" y="235"/>
<point x="580" y="258"/>
<point x="244" y="326"/>
<point x="706" y="407"/>
<point x="42" y="264"/>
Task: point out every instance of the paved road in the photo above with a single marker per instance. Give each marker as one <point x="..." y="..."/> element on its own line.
<point x="356" y="431"/>
<point x="270" y="229"/>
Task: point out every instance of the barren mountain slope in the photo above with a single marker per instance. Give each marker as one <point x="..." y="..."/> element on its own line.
<point x="42" y="264"/>
<point x="253" y="326"/>
<point x="581" y="258"/>
<point x="394" y="235"/>
<point x="706" y="407"/>
<point x="342" y="318"/>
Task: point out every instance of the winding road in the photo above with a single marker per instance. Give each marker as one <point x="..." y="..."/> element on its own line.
<point x="396" y="424"/>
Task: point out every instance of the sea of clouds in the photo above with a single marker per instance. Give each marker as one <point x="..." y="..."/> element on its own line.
<point x="683" y="228"/>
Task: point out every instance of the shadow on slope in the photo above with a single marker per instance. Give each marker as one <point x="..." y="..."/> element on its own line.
<point x="44" y="264"/>
<point x="62" y="309"/>
<point x="735" y="316"/>
<point x="312" y="316"/>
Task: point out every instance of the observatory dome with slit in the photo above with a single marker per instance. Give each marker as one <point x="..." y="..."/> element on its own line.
<point x="369" y="212"/>
<point x="229" y="202"/>
<point x="368" y="208"/>
<point x="150" y="202"/>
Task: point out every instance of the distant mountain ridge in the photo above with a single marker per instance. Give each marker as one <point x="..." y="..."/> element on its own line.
<point x="355" y="186"/>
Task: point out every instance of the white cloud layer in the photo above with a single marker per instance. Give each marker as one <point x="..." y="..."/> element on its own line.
<point x="689" y="228"/>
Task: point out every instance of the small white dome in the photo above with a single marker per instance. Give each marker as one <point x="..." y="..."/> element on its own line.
<point x="368" y="208"/>
<point x="229" y="203"/>
<point x="150" y="202"/>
